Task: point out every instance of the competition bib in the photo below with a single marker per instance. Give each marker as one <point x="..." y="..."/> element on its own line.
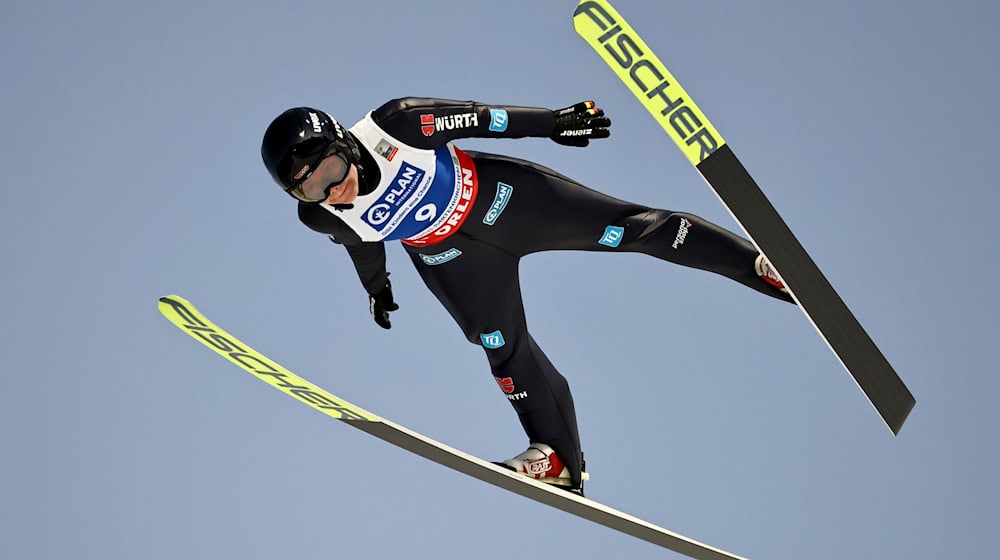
<point x="423" y="197"/>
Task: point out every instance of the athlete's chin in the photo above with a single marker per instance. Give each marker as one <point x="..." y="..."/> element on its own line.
<point x="345" y="196"/>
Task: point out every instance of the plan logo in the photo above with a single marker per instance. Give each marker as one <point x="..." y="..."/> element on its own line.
<point x="378" y="214"/>
<point x="499" y="203"/>
<point x="612" y="236"/>
<point x="498" y="120"/>
<point x="403" y="185"/>
<point x="440" y="258"/>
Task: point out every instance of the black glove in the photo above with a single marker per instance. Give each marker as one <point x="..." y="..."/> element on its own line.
<point x="381" y="304"/>
<point x="577" y="124"/>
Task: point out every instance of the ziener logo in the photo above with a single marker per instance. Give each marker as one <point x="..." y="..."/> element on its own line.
<point x="682" y="233"/>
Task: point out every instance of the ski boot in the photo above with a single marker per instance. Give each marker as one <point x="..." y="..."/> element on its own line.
<point x="768" y="274"/>
<point x="540" y="462"/>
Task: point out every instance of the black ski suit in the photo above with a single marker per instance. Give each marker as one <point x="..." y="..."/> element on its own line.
<point x="523" y="208"/>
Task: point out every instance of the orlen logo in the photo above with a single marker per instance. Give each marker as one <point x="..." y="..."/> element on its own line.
<point x="463" y="206"/>
<point x="467" y="181"/>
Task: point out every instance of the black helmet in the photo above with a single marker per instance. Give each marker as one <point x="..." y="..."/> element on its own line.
<point x="298" y="139"/>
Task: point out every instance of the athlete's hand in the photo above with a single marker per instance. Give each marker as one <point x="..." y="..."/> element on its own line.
<point x="577" y="124"/>
<point x="381" y="304"/>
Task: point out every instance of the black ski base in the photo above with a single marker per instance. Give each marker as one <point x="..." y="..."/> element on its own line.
<point x="810" y="288"/>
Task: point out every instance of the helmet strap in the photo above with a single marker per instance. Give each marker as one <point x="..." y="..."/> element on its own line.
<point x="368" y="171"/>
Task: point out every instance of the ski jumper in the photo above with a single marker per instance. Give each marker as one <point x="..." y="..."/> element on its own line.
<point x="466" y="219"/>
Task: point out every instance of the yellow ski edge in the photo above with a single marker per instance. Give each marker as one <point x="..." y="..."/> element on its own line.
<point x="187" y="318"/>
<point x="181" y="313"/>
<point x="604" y="29"/>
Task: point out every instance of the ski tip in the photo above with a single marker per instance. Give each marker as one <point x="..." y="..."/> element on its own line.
<point x="173" y="298"/>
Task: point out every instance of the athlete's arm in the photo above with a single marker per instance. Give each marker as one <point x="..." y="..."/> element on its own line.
<point x="431" y="123"/>
<point x="368" y="256"/>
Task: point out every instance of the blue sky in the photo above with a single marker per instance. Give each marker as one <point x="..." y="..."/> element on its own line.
<point x="130" y="148"/>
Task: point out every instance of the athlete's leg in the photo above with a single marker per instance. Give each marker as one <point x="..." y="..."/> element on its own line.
<point x="688" y="240"/>
<point x="548" y="211"/>
<point x="479" y="287"/>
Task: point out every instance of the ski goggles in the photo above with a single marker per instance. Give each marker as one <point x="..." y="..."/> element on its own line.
<point x="314" y="183"/>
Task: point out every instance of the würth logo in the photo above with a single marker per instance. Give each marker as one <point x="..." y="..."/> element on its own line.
<point x="507" y="386"/>
<point x="427" y="124"/>
<point x="506" y="383"/>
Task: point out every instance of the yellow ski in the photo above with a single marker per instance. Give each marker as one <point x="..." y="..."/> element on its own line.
<point x="181" y="313"/>
<point x="641" y="70"/>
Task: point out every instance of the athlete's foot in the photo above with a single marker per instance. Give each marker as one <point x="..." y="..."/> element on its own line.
<point x="540" y="462"/>
<point x="768" y="274"/>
